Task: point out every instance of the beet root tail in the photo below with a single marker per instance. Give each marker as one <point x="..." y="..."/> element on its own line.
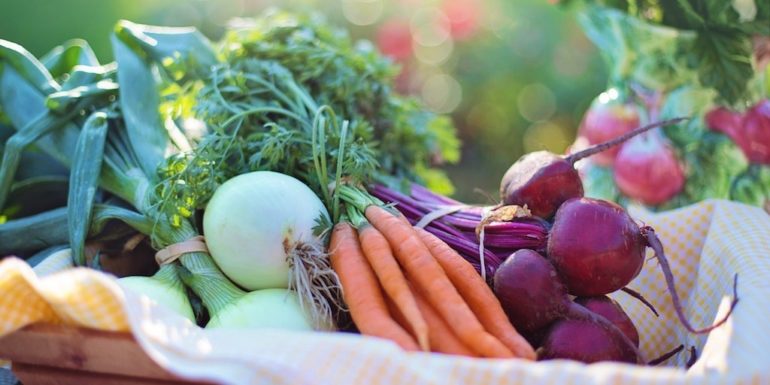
<point x="654" y="242"/>
<point x="693" y="357"/>
<point x="666" y="356"/>
<point x="641" y="299"/>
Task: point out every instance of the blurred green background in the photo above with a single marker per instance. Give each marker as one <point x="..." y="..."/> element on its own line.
<point x="515" y="75"/>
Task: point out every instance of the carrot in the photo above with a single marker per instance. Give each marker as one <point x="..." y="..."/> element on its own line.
<point x="442" y="339"/>
<point x="380" y="257"/>
<point x="427" y="275"/>
<point x="362" y="291"/>
<point x="477" y="294"/>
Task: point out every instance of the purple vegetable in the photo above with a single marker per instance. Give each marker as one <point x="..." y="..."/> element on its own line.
<point x="459" y="228"/>
<point x="750" y="131"/>
<point x="533" y="297"/>
<point x="611" y="310"/>
<point x="597" y="248"/>
<point x="530" y="291"/>
<point x="648" y="170"/>
<point x="542" y="181"/>
<point x="586" y="341"/>
<point x="607" y="118"/>
<point x="422" y="194"/>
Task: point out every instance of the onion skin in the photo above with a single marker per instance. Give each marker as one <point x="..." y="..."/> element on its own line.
<point x="253" y="221"/>
<point x="261" y="309"/>
<point x="595" y="246"/>
<point x="165" y="295"/>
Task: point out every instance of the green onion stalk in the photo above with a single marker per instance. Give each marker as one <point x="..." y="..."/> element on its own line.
<point x="134" y="139"/>
<point x="193" y="57"/>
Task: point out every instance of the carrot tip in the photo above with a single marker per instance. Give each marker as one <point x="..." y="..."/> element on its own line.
<point x="424" y="344"/>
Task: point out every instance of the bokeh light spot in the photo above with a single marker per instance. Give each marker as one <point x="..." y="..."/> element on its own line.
<point x="569" y="61"/>
<point x="536" y="102"/>
<point x="434" y="55"/>
<point x="441" y="93"/>
<point x="430" y="27"/>
<point x="608" y="96"/>
<point x="546" y="136"/>
<point x="362" y="12"/>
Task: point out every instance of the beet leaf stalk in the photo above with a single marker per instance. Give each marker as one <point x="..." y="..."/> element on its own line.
<point x="542" y="180"/>
<point x="459" y="224"/>
<point x="573" y="158"/>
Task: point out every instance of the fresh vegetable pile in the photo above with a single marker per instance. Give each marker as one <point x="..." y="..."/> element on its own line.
<point x="703" y="59"/>
<point x="283" y="184"/>
<point x="592" y="248"/>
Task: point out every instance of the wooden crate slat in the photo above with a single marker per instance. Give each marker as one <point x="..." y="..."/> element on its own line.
<point x="43" y="375"/>
<point x="81" y="351"/>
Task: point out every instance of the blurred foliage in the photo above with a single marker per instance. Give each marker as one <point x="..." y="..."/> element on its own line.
<point x="516" y="75"/>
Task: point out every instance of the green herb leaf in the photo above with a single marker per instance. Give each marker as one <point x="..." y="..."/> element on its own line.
<point x="723" y="61"/>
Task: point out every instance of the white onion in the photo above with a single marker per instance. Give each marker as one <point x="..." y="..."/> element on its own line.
<point x="267" y="308"/>
<point x="253" y="222"/>
<point x="165" y="294"/>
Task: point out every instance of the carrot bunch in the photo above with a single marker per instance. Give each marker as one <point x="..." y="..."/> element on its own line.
<point x="404" y="284"/>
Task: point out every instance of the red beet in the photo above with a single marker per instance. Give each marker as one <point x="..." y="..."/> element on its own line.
<point x="530" y="290"/>
<point x="533" y="296"/>
<point x="543" y="181"/>
<point x="647" y="170"/>
<point x="755" y="133"/>
<point x="611" y="310"/>
<point x="750" y="131"/>
<point x="723" y="120"/>
<point x="605" y="120"/>
<point x="584" y="341"/>
<point x="595" y="246"/>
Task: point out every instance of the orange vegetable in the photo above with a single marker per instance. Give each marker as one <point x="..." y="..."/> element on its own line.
<point x="380" y="257"/>
<point x="425" y="273"/>
<point x="477" y="294"/>
<point x="362" y="291"/>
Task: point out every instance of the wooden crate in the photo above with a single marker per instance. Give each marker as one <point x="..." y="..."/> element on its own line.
<point x="61" y="355"/>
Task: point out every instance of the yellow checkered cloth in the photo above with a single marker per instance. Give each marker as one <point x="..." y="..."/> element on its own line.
<point x="706" y="244"/>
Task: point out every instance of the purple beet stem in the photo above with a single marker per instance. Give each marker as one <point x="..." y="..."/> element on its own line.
<point x="458" y="229"/>
<point x="422" y="194"/>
